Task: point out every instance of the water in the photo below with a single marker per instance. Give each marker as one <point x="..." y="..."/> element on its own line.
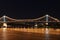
<point x="12" y="34"/>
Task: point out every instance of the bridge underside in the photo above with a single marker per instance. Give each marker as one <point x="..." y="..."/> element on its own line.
<point x="31" y="24"/>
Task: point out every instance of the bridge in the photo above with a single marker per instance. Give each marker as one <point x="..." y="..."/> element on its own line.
<point x="46" y="20"/>
<point x="32" y="33"/>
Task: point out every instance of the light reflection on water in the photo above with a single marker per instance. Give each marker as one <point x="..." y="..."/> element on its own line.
<point x="46" y="34"/>
<point x="11" y="34"/>
<point x="4" y="30"/>
<point x="4" y="34"/>
<point x="46" y="31"/>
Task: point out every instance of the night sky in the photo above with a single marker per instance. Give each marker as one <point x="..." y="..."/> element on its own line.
<point x="21" y="9"/>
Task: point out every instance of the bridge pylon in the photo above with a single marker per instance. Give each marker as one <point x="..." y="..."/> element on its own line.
<point x="4" y="21"/>
<point x="47" y="19"/>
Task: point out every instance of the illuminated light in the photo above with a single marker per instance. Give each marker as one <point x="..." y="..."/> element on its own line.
<point x="46" y="23"/>
<point x="5" y="25"/>
<point x="47" y="15"/>
<point x="36" y="25"/>
<point x="4" y="16"/>
<point x="47" y="31"/>
<point x="55" y="19"/>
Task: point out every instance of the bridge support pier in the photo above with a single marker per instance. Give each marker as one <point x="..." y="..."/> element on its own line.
<point x="5" y="25"/>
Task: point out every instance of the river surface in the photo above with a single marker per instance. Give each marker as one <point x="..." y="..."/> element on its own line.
<point x="8" y="34"/>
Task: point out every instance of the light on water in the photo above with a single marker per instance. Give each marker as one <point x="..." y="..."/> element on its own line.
<point x="4" y="29"/>
<point x="4" y="34"/>
<point x="46" y="34"/>
<point x="32" y="34"/>
<point x="47" y="31"/>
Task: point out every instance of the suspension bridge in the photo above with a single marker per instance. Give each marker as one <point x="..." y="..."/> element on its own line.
<point x="46" y="19"/>
<point x="32" y="33"/>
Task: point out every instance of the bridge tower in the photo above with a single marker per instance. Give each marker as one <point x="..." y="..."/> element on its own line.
<point x="47" y="19"/>
<point x="4" y="21"/>
<point x="46" y="30"/>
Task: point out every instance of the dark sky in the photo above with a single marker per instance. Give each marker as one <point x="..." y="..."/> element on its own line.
<point x="20" y="9"/>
